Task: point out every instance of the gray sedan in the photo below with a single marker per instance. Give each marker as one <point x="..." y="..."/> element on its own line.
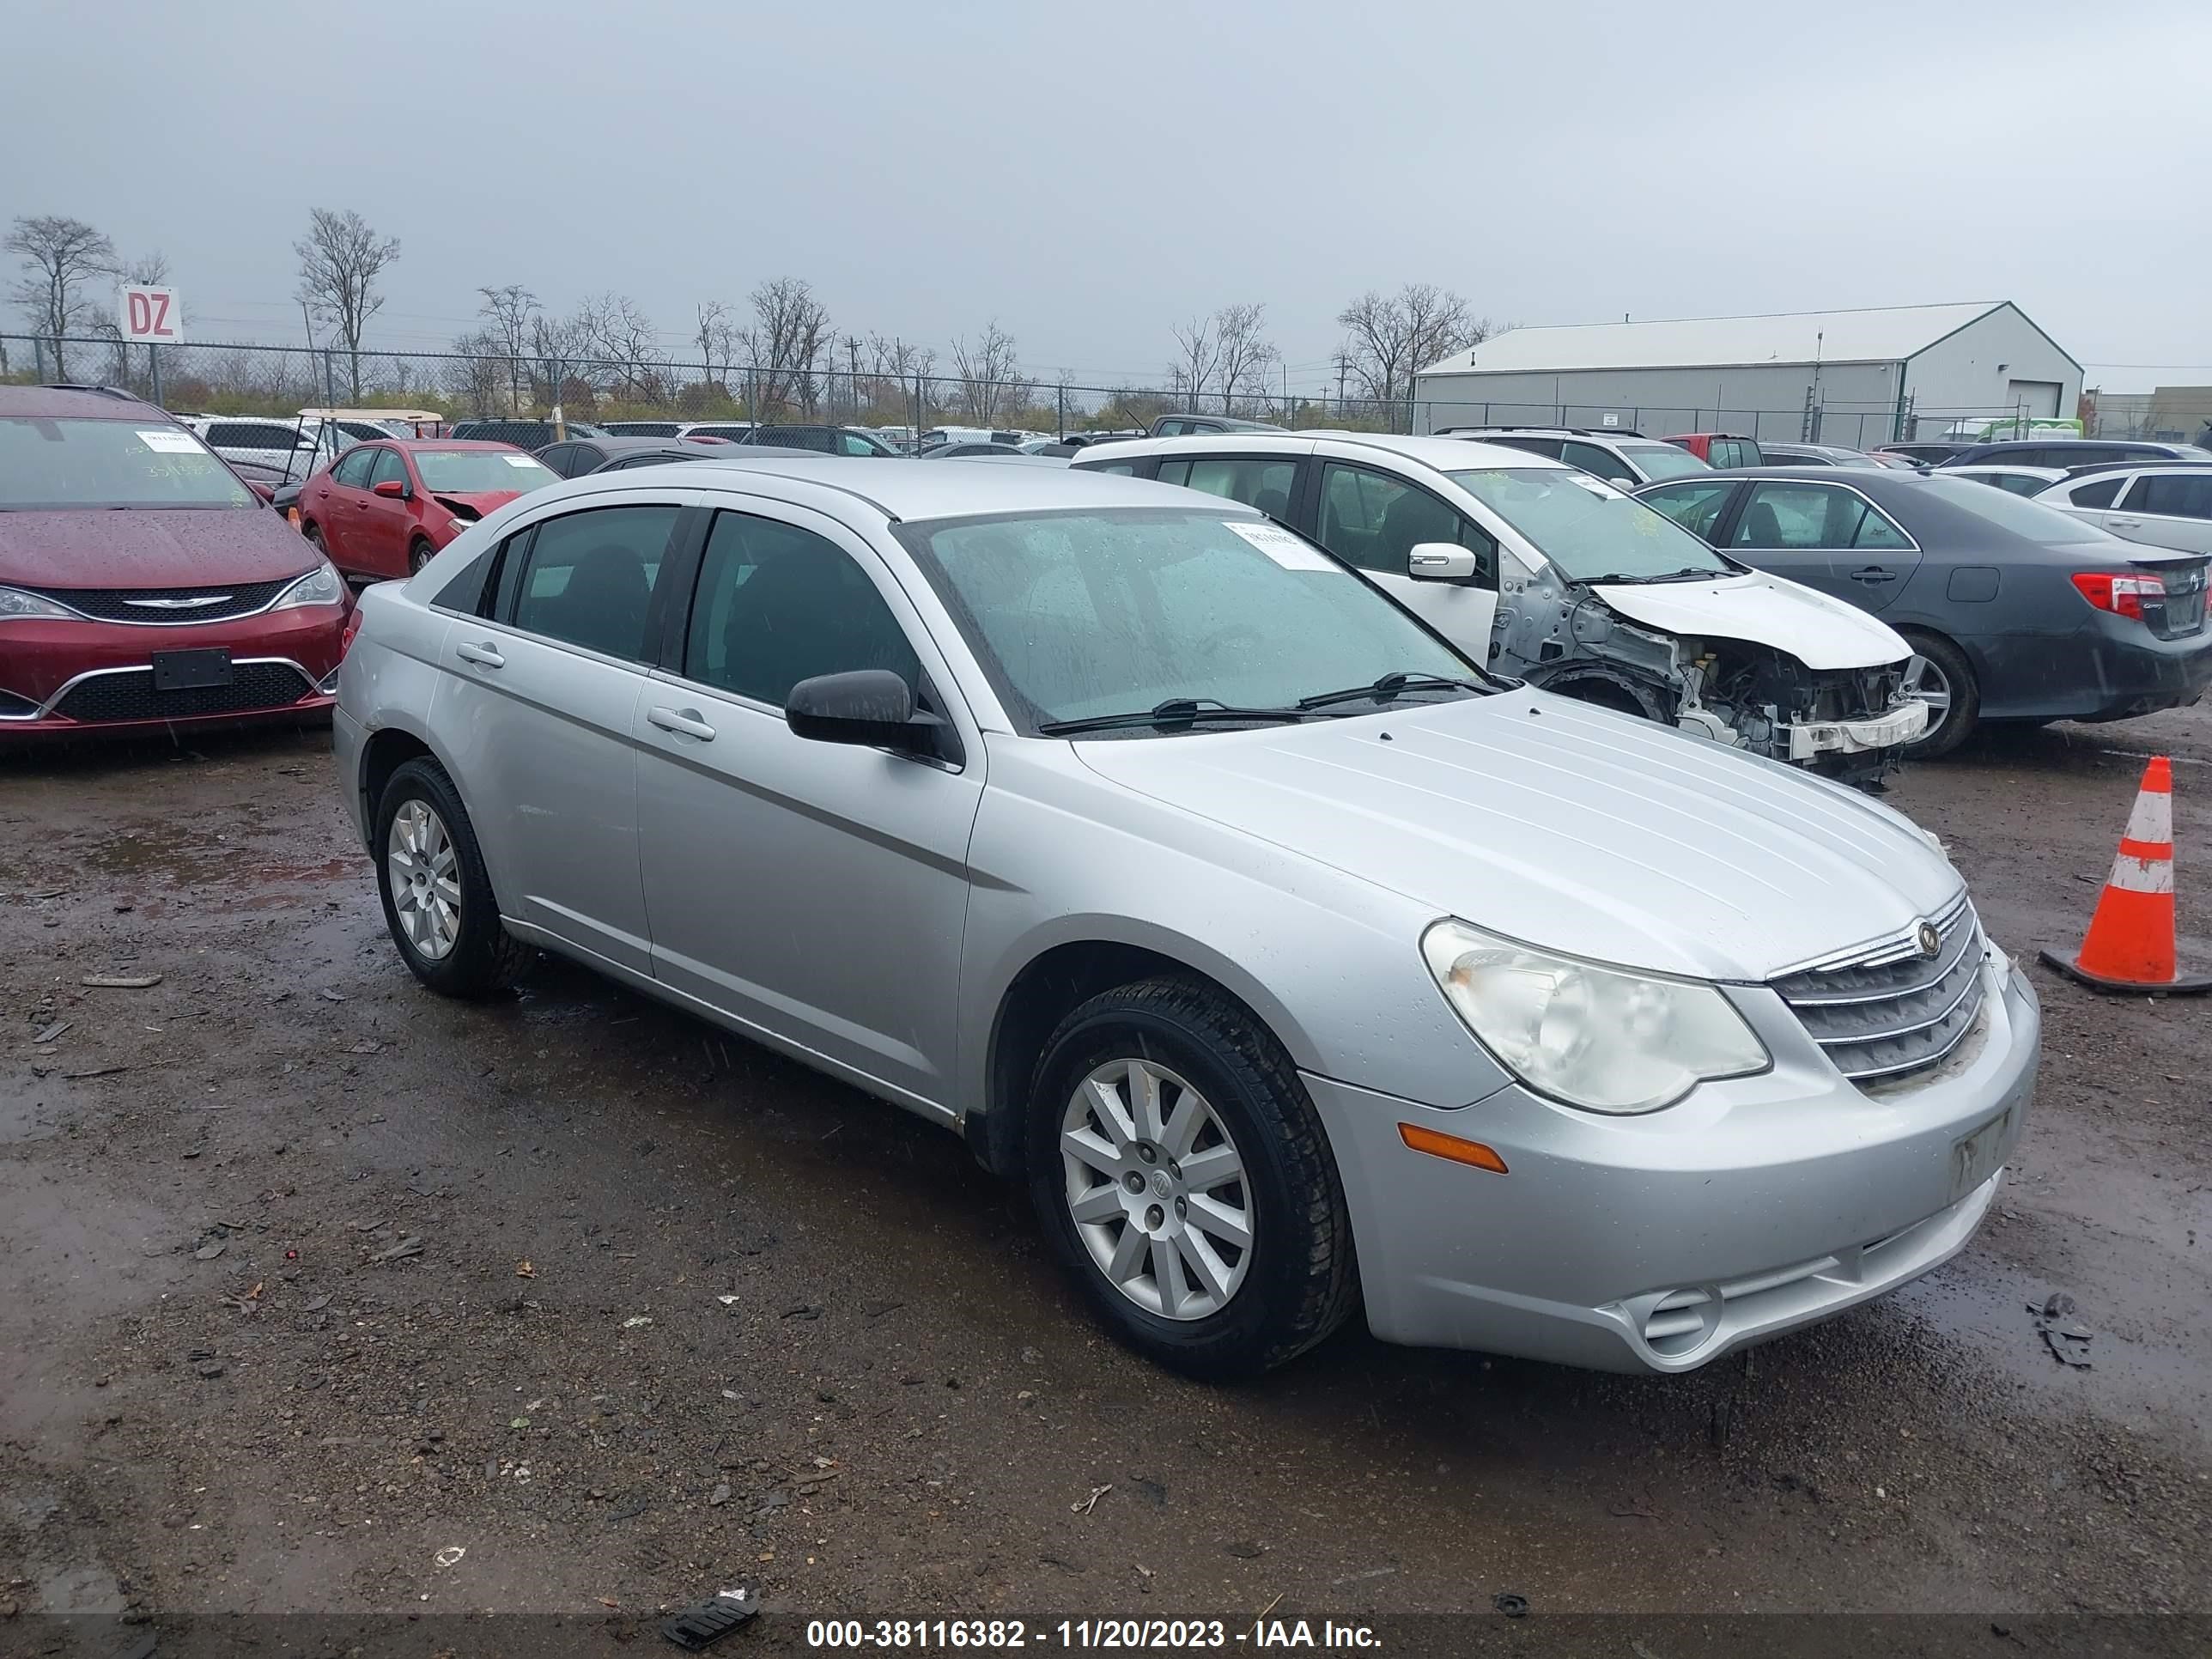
<point x="1297" y="966"/>
<point x="2015" y="612"/>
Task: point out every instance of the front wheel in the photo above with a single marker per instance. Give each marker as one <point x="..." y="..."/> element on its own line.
<point x="419" y="553"/>
<point x="438" y="900"/>
<point x="1940" y="675"/>
<point x="1184" y="1179"/>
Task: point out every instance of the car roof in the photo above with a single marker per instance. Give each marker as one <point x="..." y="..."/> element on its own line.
<point x="1442" y="454"/>
<point x="52" y="403"/>
<point x="629" y="443"/>
<point x="1596" y="433"/>
<point x="414" y="445"/>
<point x="2053" y="473"/>
<point x="902" y="490"/>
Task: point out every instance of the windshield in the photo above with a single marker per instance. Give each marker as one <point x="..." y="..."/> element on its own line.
<point x="82" y="463"/>
<point x="1586" y="526"/>
<point x="478" y="472"/>
<point x="2032" y="520"/>
<point x="1081" y="614"/>
<point x="1663" y="460"/>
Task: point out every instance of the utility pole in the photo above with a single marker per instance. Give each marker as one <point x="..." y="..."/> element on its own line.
<point x="1343" y="368"/>
<point x="852" y="364"/>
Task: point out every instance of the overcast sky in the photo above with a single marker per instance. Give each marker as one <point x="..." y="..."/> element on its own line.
<point x="1090" y="173"/>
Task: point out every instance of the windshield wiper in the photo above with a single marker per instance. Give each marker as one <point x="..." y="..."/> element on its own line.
<point x="1687" y="572"/>
<point x="1398" y="680"/>
<point x="1175" y="711"/>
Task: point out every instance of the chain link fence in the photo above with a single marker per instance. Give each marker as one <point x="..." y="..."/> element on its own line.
<point x="281" y="381"/>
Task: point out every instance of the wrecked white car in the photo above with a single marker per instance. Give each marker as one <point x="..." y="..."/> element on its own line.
<point x="1560" y="579"/>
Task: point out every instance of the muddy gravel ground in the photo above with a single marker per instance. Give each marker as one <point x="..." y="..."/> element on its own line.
<point x="311" y="1282"/>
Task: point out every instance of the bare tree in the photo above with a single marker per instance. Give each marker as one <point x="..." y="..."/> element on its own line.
<point x="1244" y="354"/>
<point x="509" y="310"/>
<point x="716" y="336"/>
<point x="340" y="259"/>
<point x="1392" y="338"/>
<point x="60" y="258"/>
<point x="1198" y="356"/>
<point x="790" y="328"/>
<point x="990" y="375"/>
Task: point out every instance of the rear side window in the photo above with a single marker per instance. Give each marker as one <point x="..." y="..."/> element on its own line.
<point x="589" y="578"/>
<point x="1603" y="462"/>
<point x="1735" y="451"/>
<point x="777" y="605"/>
<point x="1548" y="447"/>
<point x="2103" y="492"/>
<point x="1252" y="480"/>
<point x="2174" y="496"/>
<point x="796" y="437"/>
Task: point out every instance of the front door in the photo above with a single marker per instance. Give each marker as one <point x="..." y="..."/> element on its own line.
<point x="816" y="892"/>
<point x="334" y="500"/>
<point x="538" y="703"/>
<point x="384" y="521"/>
<point x="1374" y="521"/>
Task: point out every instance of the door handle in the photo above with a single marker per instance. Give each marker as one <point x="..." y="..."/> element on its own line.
<point x="484" y="656"/>
<point x="1874" y="575"/>
<point x="683" y="721"/>
<point x="2124" y="524"/>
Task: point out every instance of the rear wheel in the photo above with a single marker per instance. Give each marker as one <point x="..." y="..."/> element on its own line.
<point x="1185" y="1181"/>
<point x="1939" y="675"/>
<point x="438" y="900"/>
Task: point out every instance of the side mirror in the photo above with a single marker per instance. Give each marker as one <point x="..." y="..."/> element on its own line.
<point x="393" y="490"/>
<point x="872" y="706"/>
<point x="1440" y="562"/>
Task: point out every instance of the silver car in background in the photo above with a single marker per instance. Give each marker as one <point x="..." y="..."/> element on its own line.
<point x="1296" y="963"/>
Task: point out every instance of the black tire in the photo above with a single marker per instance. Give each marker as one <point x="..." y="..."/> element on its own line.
<point x="419" y="553"/>
<point x="485" y="958"/>
<point x="1957" y="724"/>
<point x="315" y="539"/>
<point x="1301" y="1282"/>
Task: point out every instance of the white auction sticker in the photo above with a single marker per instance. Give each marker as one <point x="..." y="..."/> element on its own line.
<point x="1595" y="486"/>
<point x="169" y="443"/>
<point x="1278" y="544"/>
<point x="518" y="460"/>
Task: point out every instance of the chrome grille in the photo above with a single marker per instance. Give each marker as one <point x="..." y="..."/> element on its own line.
<point x="175" y="606"/>
<point x="1891" y="1010"/>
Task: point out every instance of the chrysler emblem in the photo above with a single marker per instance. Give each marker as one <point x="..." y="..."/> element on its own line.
<point x="191" y="604"/>
<point x="1930" y="941"/>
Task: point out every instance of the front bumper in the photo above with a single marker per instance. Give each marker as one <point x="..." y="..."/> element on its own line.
<point x="1892" y="729"/>
<point x="1661" y="1242"/>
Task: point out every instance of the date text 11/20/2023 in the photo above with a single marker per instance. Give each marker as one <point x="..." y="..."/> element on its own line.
<point x="1004" y="1635"/>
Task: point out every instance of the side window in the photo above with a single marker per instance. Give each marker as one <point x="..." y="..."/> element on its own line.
<point x="1548" y="447"/>
<point x="1696" y="506"/>
<point x="777" y="605"/>
<point x="560" y="460"/>
<point x="1374" y="522"/>
<point x="1876" y="533"/>
<point x="590" y="576"/>
<point x="389" y="466"/>
<point x="473" y="591"/>
<point x="353" y="471"/>
<point x="1254" y="480"/>
<point x="2176" y="496"/>
<point x="1127" y="469"/>
<point x="851" y="443"/>
<point x="1789" y="515"/>
<point x="1602" y="462"/>
<point x="2099" y="494"/>
<point x="1171" y="429"/>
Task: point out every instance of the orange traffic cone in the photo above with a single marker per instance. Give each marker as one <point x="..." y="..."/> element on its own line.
<point x="2129" y="948"/>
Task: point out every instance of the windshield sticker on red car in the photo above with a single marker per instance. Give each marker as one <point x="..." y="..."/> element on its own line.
<point x="169" y="443"/>
<point x="518" y="460"/>
<point x="1278" y="544"/>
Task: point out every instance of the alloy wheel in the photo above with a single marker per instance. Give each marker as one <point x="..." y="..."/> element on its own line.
<point x="1157" y="1189"/>
<point x="1927" y="681"/>
<point x="422" y="869"/>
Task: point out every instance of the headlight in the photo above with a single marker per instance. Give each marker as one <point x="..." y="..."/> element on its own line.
<point x="321" y="585"/>
<point x="13" y="603"/>
<point x="1604" y="1039"/>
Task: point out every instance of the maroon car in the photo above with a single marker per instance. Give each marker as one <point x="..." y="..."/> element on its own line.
<point x="383" y="509"/>
<point x="142" y="586"/>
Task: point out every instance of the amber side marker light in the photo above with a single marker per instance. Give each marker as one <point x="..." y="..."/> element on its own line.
<point x="1437" y="1144"/>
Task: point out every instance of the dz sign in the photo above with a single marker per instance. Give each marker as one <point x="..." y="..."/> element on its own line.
<point x="152" y="314"/>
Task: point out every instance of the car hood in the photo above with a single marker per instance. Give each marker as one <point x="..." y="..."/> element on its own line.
<point x="476" y="504"/>
<point x="1765" y="610"/>
<point x="149" y="547"/>
<point x="1565" y="826"/>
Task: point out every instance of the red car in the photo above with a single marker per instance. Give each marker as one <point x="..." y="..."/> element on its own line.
<point x="382" y="509"/>
<point x="1719" y="449"/>
<point x="142" y="586"/>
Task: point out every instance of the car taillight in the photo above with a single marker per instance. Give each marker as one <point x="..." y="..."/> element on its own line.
<point x="352" y="627"/>
<point x="2123" y="596"/>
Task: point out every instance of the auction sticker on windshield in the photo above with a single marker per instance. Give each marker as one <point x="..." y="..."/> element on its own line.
<point x="1278" y="544"/>
<point x="518" y="460"/>
<point x="1596" y="486"/>
<point x="169" y="443"/>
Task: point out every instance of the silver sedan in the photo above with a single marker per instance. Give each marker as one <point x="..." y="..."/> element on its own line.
<point x="1294" y="963"/>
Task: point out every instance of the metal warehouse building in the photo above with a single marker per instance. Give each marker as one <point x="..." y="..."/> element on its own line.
<point x="1847" y="377"/>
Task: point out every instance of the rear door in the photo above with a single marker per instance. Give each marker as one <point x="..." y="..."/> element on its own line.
<point x="1826" y="536"/>
<point x="538" y="701"/>
<point x="2165" y="509"/>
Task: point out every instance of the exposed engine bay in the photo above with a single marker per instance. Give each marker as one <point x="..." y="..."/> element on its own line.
<point x="1847" y="723"/>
